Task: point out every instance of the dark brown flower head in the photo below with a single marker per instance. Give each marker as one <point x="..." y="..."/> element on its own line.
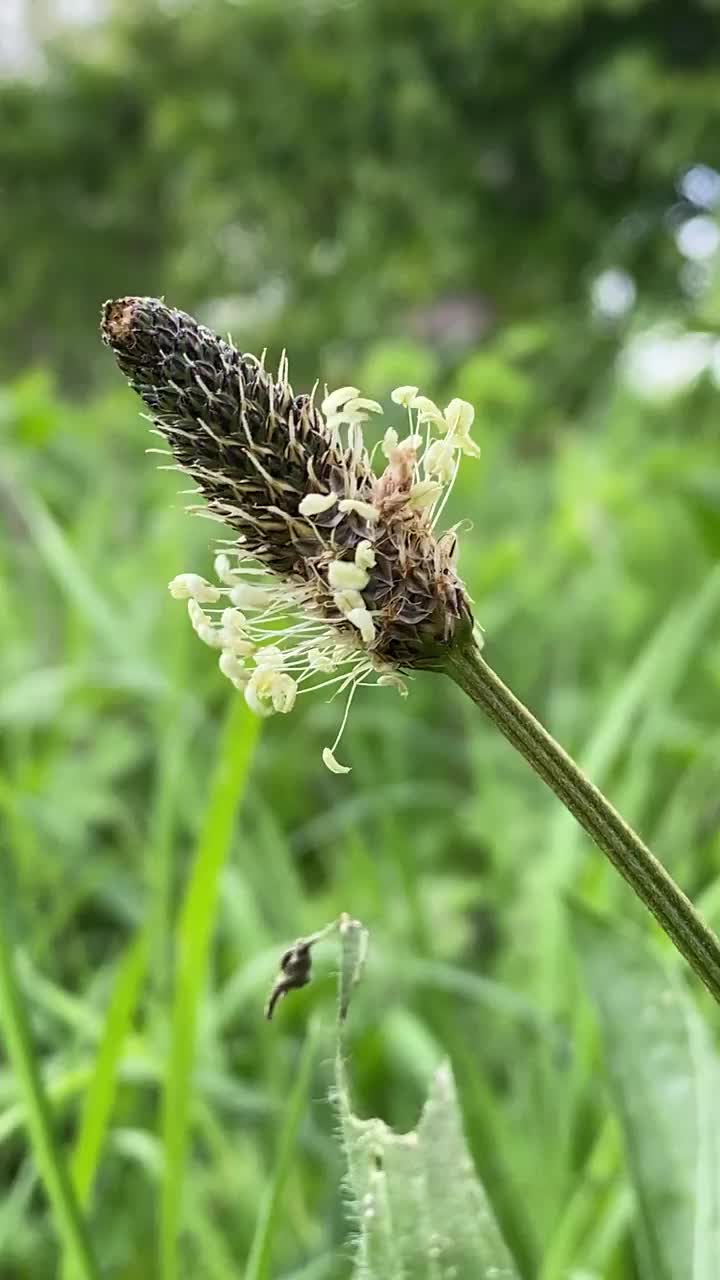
<point x="317" y="531"/>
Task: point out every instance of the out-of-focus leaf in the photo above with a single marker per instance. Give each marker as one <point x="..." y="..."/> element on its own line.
<point x="665" y="1078"/>
<point x="419" y="1208"/>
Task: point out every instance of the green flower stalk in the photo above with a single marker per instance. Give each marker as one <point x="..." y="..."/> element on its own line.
<point x="336" y="575"/>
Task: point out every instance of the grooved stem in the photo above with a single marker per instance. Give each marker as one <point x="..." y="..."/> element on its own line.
<point x="645" y="875"/>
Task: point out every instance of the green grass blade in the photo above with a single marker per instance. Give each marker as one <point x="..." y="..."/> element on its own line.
<point x="100" y="1096"/>
<point x="258" y="1265"/>
<point x="664" y="1077"/>
<point x="194" y="931"/>
<point x="38" y="1118"/>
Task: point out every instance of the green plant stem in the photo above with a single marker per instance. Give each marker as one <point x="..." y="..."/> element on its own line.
<point x="49" y="1156"/>
<point x="645" y="875"/>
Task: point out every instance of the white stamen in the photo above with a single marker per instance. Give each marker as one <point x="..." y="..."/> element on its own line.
<point x="332" y="764"/>
<point x="362" y="619"/>
<point x="270" y="658"/>
<point x="190" y="586"/>
<point x="336" y="399"/>
<point x="365" y="555"/>
<point x="256" y="704"/>
<point x="314" y="503"/>
<point x="364" y="509"/>
<point x="404" y="396"/>
<point x="319" y="660"/>
<point x="247" y="597"/>
<point x="459" y="416"/>
<point x="390" y="441"/>
<point x="359" y="403"/>
<point x="438" y="460"/>
<point x="224" y="570"/>
<point x="283" y="693"/>
<point x="391" y="680"/>
<point x="346" y="575"/>
<point x="423" y="494"/>
<point x="345" y="601"/>
<point x="427" y="410"/>
<point x="210" y="636"/>
<point x="233" y="669"/>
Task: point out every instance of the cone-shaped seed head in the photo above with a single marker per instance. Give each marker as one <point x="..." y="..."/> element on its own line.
<point x="302" y="496"/>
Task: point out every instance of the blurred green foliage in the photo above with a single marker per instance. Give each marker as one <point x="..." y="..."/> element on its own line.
<point x="405" y="192"/>
<point x="331" y="165"/>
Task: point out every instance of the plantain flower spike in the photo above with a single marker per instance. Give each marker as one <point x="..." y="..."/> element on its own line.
<point x="334" y="576"/>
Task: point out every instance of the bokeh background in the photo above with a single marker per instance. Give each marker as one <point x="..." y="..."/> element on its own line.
<point x="514" y="203"/>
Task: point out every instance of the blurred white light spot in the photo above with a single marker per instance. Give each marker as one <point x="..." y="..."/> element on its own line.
<point x="698" y="238"/>
<point x="701" y="185"/>
<point x="695" y="278"/>
<point x="659" y="364"/>
<point x="613" y="293"/>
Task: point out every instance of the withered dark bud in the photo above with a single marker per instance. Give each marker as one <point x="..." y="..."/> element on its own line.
<point x="295" y="967"/>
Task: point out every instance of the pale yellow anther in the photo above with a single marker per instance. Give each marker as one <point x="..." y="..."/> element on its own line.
<point x="283" y="692"/>
<point x="423" y="494"/>
<point x="365" y="510"/>
<point x="332" y="764"/>
<point x="224" y="570"/>
<point x="345" y="575"/>
<point x="190" y="586"/>
<point x="390" y="441"/>
<point x="362" y="619"/>
<point x="404" y="396"/>
<point x="270" y="658"/>
<point x="391" y="680"/>
<point x="365" y="555"/>
<point x="427" y="410"/>
<point x="245" y="596"/>
<point x="210" y="636"/>
<point x="346" y="601"/>
<point x="336" y="399"/>
<point x="313" y="504"/>
<point x="439" y="460"/>
<point x="233" y="669"/>
<point x="360" y="404"/>
<point x="459" y="416"/>
<point x="321" y="660"/>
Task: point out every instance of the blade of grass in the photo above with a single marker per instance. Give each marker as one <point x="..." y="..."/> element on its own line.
<point x="663" y="1075"/>
<point x="194" y="930"/>
<point x="258" y="1265"/>
<point x="100" y="1096"/>
<point x="38" y="1118"/>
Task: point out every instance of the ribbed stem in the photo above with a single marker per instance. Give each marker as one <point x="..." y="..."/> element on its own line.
<point x="645" y="875"/>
